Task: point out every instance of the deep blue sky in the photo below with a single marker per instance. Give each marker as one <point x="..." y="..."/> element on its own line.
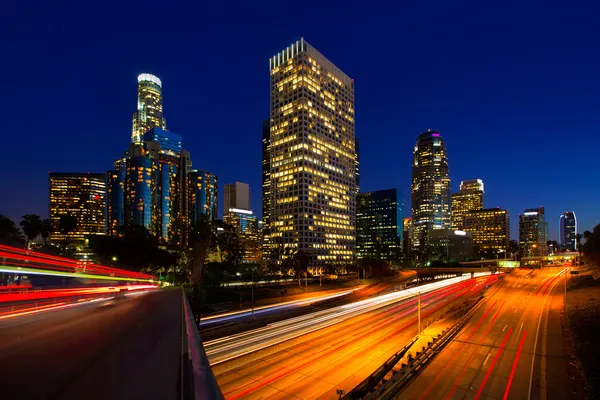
<point x="512" y="86"/>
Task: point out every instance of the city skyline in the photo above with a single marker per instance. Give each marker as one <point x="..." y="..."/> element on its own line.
<point x="383" y="148"/>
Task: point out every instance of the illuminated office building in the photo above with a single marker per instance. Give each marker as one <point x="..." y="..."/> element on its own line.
<point x="202" y="195"/>
<point x="356" y="144"/>
<point x="431" y="201"/>
<point x="533" y="232"/>
<point x="568" y="230"/>
<point x="246" y="225"/>
<point x="447" y="245"/>
<point x="81" y="195"/>
<point x="170" y="143"/>
<point x="312" y="156"/>
<point x="490" y="229"/>
<point x="236" y="195"/>
<point x="379" y="224"/>
<point x="407" y="234"/>
<point x="468" y="198"/>
<point x="266" y="184"/>
<point x="149" y="113"/>
<point x="115" y="185"/>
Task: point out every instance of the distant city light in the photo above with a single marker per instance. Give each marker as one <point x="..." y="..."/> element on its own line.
<point x="240" y="211"/>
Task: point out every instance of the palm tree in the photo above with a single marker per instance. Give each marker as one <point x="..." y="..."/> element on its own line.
<point x="67" y="224"/>
<point x="32" y="227"/>
<point x="9" y="233"/>
<point x="46" y="230"/>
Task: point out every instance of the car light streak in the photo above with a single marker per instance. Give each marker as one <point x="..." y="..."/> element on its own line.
<point x="487" y="375"/>
<point x="224" y="349"/>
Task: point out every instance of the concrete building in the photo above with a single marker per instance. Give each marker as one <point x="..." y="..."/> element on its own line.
<point x="533" y="233"/>
<point x="312" y="153"/>
<point x="447" y="245"/>
<point x="490" y="230"/>
<point x="468" y="198"/>
<point x="82" y="196"/>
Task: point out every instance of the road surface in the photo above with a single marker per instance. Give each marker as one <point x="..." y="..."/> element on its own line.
<point x="335" y="357"/>
<point x="129" y="349"/>
<point x="511" y="348"/>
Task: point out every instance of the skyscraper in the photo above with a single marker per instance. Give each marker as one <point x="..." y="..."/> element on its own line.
<point x="568" y="230"/>
<point x="312" y="156"/>
<point x="490" y="229"/>
<point x="468" y="198"/>
<point x="237" y="195"/>
<point x="431" y="203"/>
<point x="203" y="195"/>
<point x="149" y="113"/>
<point x="266" y="185"/>
<point x="81" y="195"/>
<point x="532" y="232"/>
<point x="379" y="224"/>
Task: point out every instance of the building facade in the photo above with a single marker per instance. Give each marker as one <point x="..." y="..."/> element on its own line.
<point x="379" y="225"/>
<point x="468" y="198"/>
<point x="246" y="225"/>
<point x="490" y="230"/>
<point x="567" y="228"/>
<point x="236" y="195"/>
<point x="80" y="195"/>
<point x="266" y="185"/>
<point x="431" y="200"/>
<point x="312" y="156"/>
<point x="447" y="245"/>
<point x="203" y="196"/>
<point x="149" y="113"/>
<point x="533" y="232"/>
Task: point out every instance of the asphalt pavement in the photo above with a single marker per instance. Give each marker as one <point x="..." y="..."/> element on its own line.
<point x="512" y="348"/>
<point x="125" y="349"/>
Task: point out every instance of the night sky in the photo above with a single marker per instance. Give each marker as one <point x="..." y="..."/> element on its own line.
<point x="512" y="87"/>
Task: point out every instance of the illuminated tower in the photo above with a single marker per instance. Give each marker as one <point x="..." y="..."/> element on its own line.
<point x="266" y="185"/>
<point x="468" y="198"/>
<point x="533" y="232"/>
<point x="149" y="112"/>
<point x="568" y="230"/>
<point x="431" y="202"/>
<point x="312" y="156"/>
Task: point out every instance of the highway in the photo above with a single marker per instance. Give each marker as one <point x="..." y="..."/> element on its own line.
<point x="314" y="355"/>
<point x="512" y="348"/>
<point x="117" y="349"/>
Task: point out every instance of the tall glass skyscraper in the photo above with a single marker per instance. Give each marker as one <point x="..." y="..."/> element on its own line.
<point x="203" y="195"/>
<point x="431" y="200"/>
<point x="149" y="113"/>
<point x="115" y="184"/>
<point x="568" y="230"/>
<point x="312" y="156"/>
<point x="380" y="224"/>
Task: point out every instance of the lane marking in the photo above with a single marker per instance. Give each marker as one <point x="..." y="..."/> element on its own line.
<point x="505" y="326"/>
<point x="514" y="367"/>
<point x="496" y="357"/>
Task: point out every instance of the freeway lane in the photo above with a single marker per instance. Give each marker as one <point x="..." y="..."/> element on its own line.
<point x="107" y="350"/>
<point x="338" y="356"/>
<point x="493" y="356"/>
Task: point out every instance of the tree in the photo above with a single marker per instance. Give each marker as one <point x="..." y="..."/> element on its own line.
<point x="31" y="224"/>
<point x="296" y="260"/>
<point x="201" y="238"/>
<point x="9" y="233"/>
<point x="46" y="230"/>
<point x="591" y="247"/>
<point x="230" y="246"/>
<point x="67" y="224"/>
<point x="578" y="241"/>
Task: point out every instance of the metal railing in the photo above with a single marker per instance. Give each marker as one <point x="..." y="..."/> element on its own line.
<point x="389" y="390"/>
<point x="197" y="379"/>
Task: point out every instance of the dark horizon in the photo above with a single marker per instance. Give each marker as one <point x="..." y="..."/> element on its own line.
<point x="512" y="90"/>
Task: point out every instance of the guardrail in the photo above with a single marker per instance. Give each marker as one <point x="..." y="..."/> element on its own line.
<point x="197" y="379"/>
<point x="389" y="390"/>
<point x="369" y="383"/>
